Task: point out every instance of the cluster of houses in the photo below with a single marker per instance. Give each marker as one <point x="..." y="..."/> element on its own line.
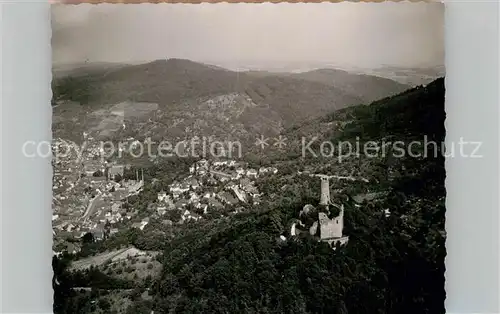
<point x="212" y="186"/>
<point x="104" y="206"/>
<point x="89" y="194"/>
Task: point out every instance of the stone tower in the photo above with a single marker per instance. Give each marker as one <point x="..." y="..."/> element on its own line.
<point x="325" y="191"/>
<point x="331" y="228"/>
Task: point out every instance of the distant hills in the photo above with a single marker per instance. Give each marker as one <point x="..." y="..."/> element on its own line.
<point x="412" y="76"/>
<point x="84" y="68"/>
<point x="367" y="87"/>
<point x="206" y="99"/>
<point x="408" y="75"/>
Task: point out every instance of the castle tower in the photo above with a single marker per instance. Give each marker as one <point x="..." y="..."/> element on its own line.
<point x="325" y="191"/>
<point x="330" y="230"/>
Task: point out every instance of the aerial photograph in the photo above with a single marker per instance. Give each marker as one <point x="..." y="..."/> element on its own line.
<point x="248" y="158"/>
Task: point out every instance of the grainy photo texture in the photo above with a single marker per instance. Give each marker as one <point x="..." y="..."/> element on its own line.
<point x="249" y="158"/>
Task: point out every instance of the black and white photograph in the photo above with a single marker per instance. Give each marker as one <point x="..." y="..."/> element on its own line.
<point x="249" y="158"/>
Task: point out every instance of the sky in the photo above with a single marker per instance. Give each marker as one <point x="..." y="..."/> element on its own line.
<point x="409" y="34"/>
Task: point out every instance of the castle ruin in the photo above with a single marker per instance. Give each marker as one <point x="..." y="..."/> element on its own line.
<point x="326" y="229"/>
<point x="330" y="230"/>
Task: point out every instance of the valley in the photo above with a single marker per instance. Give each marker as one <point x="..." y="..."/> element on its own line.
<point x="212" y="234"/>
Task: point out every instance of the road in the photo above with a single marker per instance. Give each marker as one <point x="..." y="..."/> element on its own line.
<point x="91" y="207"/>
<point x="219" y="173"/>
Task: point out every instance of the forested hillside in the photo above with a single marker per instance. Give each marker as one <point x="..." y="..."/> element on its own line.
<point x="393" y="263"/>
<point x="189" y="98"/>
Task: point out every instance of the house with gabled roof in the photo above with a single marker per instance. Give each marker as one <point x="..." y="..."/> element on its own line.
<point x="162" y="196"/>
<point x="213" y="202"/>
<point x="252" y="173"/>
<point x="227" y="198"/>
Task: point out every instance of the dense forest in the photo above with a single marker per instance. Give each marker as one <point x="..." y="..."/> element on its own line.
<point x="392" y="263"/>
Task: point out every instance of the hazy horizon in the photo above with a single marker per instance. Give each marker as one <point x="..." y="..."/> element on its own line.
<point x="252" y="35"/>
